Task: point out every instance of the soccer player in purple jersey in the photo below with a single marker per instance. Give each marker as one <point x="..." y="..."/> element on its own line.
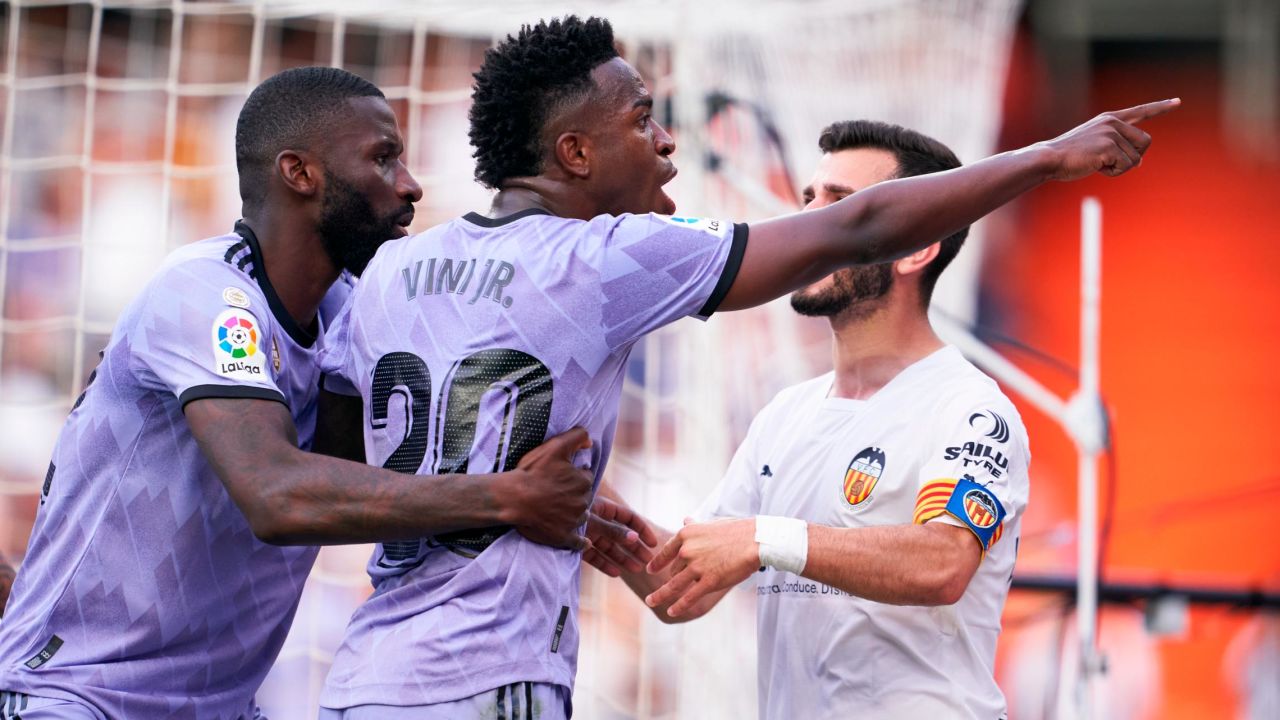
<point x="505" y="327"/>
<point x="178" y="515"/>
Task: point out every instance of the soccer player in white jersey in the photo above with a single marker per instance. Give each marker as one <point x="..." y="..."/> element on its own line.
<point x="495" y="330"/>
<point x="884" y="497"/>
<point x="157" y="583"/>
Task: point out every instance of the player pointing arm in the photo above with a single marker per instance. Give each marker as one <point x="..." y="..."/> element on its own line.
<point x="885" y="222"/>
<point x="563" y="132"/>
<point x="894" y="219"/>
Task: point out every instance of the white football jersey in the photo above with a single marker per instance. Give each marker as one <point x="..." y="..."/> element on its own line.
<point x="938" y="443"/>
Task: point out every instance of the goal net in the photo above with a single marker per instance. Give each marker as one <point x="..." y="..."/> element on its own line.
<point x="117" y="147"/>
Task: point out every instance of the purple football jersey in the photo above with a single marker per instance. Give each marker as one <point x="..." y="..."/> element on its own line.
<point x="470" y="344"/>
<point x="144" y="591"/>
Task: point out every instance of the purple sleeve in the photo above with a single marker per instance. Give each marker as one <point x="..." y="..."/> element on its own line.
<point x="658" y="269"/>
<point x="202" y="332"/>
<point x="335" y="357"/>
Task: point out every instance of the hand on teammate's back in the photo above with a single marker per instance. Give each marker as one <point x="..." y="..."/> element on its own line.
<point x="551" y="496"/>
<point x="1110" y="143"/>
<point x="621" y="540"/>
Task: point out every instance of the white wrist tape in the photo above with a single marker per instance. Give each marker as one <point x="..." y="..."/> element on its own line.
<point x="784" y="542"/>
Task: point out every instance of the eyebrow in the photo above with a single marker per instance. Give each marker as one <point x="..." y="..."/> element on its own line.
<point x="835" y="189"/>
<point x="646" y="101"/>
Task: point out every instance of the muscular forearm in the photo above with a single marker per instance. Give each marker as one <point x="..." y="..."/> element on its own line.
<point x="893" y="219"/>
<point x="881" y="223"/>
<point x="926" y="564"/>
<point x="319" y="500"/>
<point x="292" y="497"/>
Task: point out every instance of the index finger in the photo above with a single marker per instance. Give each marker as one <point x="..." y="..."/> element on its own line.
<point x="666" y="555"/>
<point x="630" y="518"/>
<point x="1138" y="113"/>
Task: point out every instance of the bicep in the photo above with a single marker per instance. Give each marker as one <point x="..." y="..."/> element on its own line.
<point x="339" y="427"/>
<point x="243" y="440"/>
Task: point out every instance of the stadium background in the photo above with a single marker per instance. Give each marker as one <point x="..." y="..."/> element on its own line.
<point x="117" y="140"/>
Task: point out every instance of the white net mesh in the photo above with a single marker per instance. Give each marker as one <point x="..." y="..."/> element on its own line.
<point x="117" y="146"/>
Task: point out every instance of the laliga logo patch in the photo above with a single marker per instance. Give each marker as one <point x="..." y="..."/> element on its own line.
<point x="711" y="227"/>
<point x="999" y="428"/>
<point x="860" y="479"/>
<point x="235" y="346"/>
<point x="980" y="508"/>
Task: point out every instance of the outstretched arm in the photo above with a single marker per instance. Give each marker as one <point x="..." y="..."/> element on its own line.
<point x="894" y="219"/>
<point x="292" y="497"/>
<point x="929" y="564"/>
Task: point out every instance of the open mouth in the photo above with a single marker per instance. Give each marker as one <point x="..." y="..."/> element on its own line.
<point x="667" y="206"/>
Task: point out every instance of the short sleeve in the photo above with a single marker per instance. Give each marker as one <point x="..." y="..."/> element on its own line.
<point x="336" y="374"/>
<point x="975" y="474"/>
<point x="202" y="332"/>
<point x="657" y="269"/>
<point x="738" y="492"/>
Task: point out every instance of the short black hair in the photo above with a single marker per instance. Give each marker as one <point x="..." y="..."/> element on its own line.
<point x="521" y="82"/>
<point x="289" y="110"/>
<point x="917" y="154"/>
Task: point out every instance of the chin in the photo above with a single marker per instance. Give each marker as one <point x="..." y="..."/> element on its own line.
<point x="815" y="289"/>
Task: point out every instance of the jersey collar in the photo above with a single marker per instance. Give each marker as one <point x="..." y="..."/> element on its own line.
<point x="301" y="336"/>
<point x="485" y="221"/>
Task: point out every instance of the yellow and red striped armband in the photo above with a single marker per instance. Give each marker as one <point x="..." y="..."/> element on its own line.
<point x="976" y="507"/>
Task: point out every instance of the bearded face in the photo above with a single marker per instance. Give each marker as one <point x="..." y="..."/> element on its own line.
<point x="350" y="230"/>
<point x="853" y="293"/>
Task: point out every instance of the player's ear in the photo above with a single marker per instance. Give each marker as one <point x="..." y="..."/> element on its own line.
<point x="298" y="172"/>
<point x="573" y="152"/>
<point x="916" y="261"/>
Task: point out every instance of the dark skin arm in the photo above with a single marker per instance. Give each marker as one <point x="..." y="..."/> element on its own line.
<point x="894" y="219"/>
<point x="6" y="583"/>
<point x="293" y="497"/>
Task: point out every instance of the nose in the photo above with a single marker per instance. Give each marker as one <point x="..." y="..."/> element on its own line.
<point x="406" y="186"/>
<point x="662" y="140"/>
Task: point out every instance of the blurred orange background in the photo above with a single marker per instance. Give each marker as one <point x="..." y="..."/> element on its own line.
<point x="1190" y="337"/>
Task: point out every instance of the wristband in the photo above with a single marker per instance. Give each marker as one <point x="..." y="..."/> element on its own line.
<point x="784" y="542"/>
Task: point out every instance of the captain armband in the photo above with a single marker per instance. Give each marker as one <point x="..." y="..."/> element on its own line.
<point x="976" y="507"/>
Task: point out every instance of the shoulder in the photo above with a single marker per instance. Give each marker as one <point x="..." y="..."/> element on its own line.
<point x="967" y="396"/>
<point x="206" y="274"/>
<point x="223" y="261"/>
<point x="958" y="384"/>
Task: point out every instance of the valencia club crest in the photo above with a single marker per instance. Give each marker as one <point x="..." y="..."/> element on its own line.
<point x="860" y="479"/>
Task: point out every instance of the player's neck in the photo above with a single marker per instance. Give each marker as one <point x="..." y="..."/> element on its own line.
<point x="868" y="352"/>
<point x="519" y="194"/>
<point x="296" y="264"/>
